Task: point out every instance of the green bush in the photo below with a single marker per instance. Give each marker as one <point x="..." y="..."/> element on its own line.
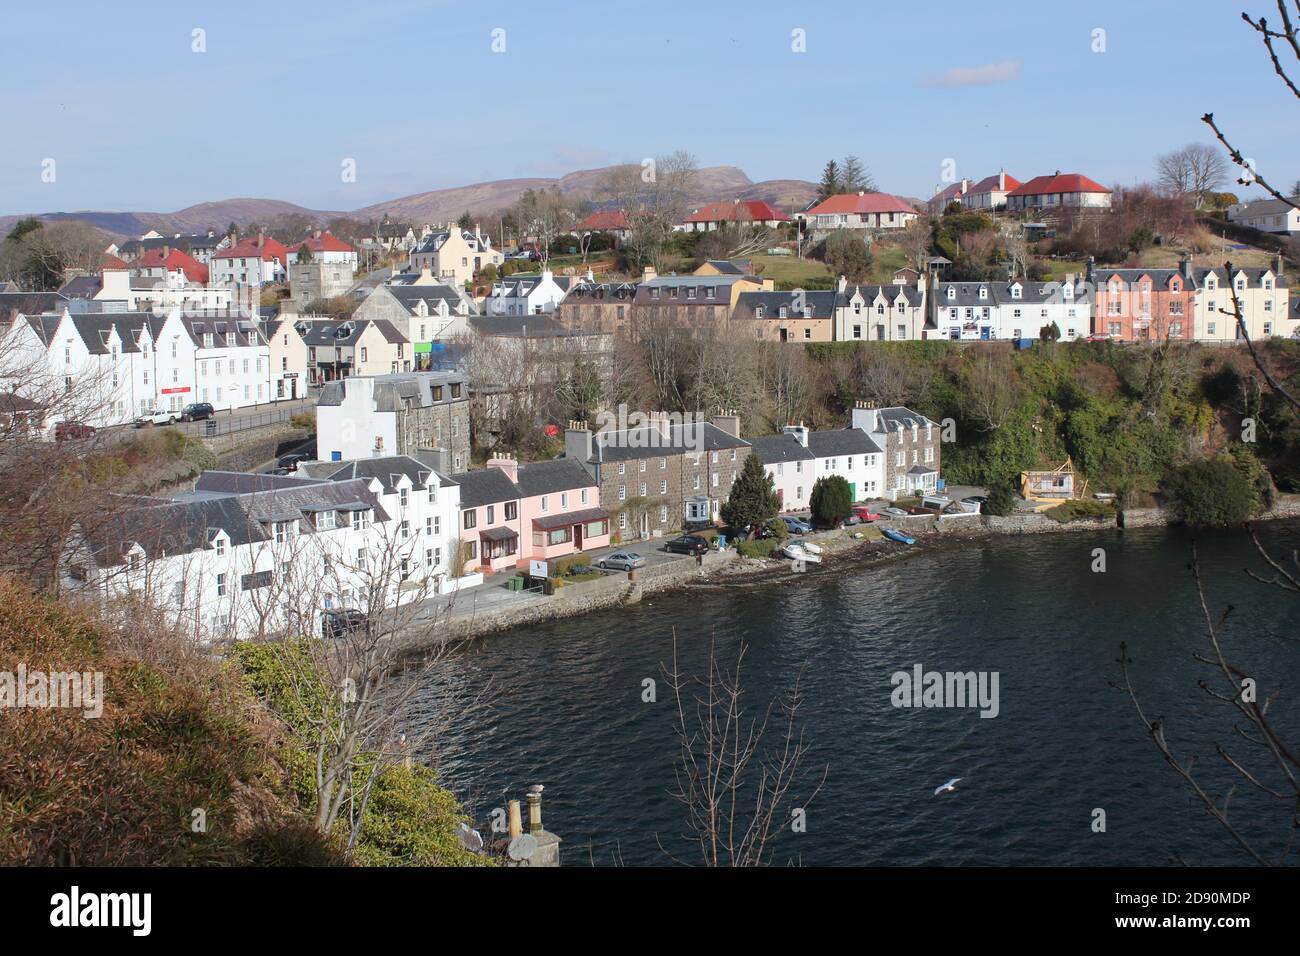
<point x="758" y="548"/>
<point x="1001" y="499"/>
<point x="570" y="565"/>
<point x="304" y="420"/>
<point x="780" y="530"/>
<point x="1212" y="492"/>
<point x="831" y="500"/>
<point x="1080" y="509"/>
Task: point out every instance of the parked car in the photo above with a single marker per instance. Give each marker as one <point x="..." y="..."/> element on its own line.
<point x="686" y="544"/>
<point x="73" y="431"/>
<point x="621" y="561"/>
<point x="161" y="417"/>
<point x="796" y="525"/>
<point x="290" y="462"/>
<point x="893" y="512"/>
<point x="277" y="470"/>
<point x="865" y="514"/>
<point x="196" y="411"/>
<point x="341" y="621"/>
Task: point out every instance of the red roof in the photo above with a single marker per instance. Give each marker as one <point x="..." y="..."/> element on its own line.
<point x="326" y="242"/>
<point x="248" y="248"/>
<point x="1061" y="183"/>
<point x="604" y="220"/>
<point x="738" y="210"/>
<point x="111" y="262"/>
<point x="990" y="183"/>
<point x="194" y="270"/>
<point x="860" y="203"/>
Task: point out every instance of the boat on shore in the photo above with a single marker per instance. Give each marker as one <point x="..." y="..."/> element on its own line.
<point x="798" y="552"/>
<point x="893" y="534"/>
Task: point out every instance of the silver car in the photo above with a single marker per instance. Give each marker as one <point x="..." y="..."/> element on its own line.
<point x="621" y="561"/>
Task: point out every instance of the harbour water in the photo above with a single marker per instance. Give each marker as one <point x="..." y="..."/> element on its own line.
<point x="562" y="704"/>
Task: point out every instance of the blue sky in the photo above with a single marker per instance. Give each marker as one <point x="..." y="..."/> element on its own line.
<point x="135" y="120"/>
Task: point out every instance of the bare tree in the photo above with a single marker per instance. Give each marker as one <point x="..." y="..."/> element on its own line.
<point x="735" y="787"/>
<point x="992" y="387"/>
<point x="1196" y="170"/>
<point x="654" y="196"/>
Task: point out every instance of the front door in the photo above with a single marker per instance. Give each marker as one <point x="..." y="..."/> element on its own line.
<point x="577" y="537"/>
<point x="645" y="524"/>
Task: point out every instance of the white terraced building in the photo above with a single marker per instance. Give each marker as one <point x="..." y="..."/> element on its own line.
<point x="244" y="555"/>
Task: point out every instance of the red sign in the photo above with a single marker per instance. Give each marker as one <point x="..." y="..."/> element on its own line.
<point x="174" y="391"/>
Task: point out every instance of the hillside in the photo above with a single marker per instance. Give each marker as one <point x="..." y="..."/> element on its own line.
<point x="438" y="205"/>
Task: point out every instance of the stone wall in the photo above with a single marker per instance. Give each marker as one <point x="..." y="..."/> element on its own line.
<point x="612" y="590"/>
<point x="245" y="450"/>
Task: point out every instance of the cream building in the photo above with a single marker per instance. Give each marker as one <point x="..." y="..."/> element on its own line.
<point x="1261" y="293"/>
<point x="455" y="255"/>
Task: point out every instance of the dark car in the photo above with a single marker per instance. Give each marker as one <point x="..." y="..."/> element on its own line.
<point x="278" y="471"/>
<point x="686" y="544"/>
<point x="73" y="431"/>
<point x="343" y="621"/>
<point x="196" y="411"/>
<point x="291" y="461"/>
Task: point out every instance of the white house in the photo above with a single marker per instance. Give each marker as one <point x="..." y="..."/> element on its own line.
<point x="880" y="313"/>
<point x="256" y="260"/>
<point x="248" y="555"/>
<point x="799" y="456"/>
<point x="529" y="294"/>
<point x="1021" y="309"/>
<point x="324" y="247"/>
<point x="1267" y="215"/>
<point x="1068" y="189"/>
<point x="232" y="359"/>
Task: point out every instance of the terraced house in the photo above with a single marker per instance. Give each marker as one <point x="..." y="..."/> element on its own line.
<point x="911" y="444"/>
<point x="796" y="316"/>
<point x="656" y="478"/>
<point x="597" y="307"/>
<point x="1143" y="305"/>
<point x="799" y="456"/>
<point x="1262" y="295"/>
<point x="511" y="514"/>
<point x="1020" y="309"/>
<point x="879" y="313"/>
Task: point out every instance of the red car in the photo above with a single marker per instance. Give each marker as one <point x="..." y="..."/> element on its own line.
<point x="863" y="513"/>
<point x="73" y="431"/>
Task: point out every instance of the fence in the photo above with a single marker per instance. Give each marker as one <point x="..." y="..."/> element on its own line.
<point x="216" y="426"/>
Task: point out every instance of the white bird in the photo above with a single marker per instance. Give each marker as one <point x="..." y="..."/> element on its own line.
<point x="949" y="787"/>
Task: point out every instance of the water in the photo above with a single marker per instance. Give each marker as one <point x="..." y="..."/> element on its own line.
<point x="560" y="704"/>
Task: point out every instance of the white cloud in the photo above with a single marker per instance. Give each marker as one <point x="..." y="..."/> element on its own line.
<point x="1001" y="72"/>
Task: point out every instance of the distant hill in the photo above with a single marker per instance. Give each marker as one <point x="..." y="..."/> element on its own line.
<point x="482" y="199"/>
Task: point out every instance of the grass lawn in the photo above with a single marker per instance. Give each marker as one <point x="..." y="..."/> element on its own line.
<point x="791" y="273"/>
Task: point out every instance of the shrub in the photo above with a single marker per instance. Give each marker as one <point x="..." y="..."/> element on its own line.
<point x="304" y="420"/>
<point x="1212" y="492"/>
<point x="758" y="548"/>
<point x="1080" y="509"/>
<point x="1001" y="499"/>
<point x="570" y="565"/>
<point x="831" y="500"/>
<point x="753" y="499"/>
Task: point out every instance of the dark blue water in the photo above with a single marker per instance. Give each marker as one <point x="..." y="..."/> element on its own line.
<point x="560" y="704"/>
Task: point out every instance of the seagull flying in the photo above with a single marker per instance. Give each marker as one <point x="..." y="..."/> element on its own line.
<point x="949" y="787"/>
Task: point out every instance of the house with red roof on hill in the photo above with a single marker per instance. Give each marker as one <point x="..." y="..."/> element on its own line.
<point x="612" y="221"/>
<point x="1057" y="190"/>
<point x="862" y="210"/>
<point x="739" y="212"/>
<point x="255" y="260"/>
<point x="325" y="247"/>
<point x="160" y="262"/>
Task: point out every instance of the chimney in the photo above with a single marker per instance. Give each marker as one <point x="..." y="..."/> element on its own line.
<point x="1092" y="267"/>
<point x="506" y="464"/>
<point x="537" y="846"/>
<point x="515" y="824"/>
<point x="728" y="422"/>
<point x="1002" y="180"/>
<point x="864" y="416"/>
<point x="435" y="458"/>
<point x="261" y="239"/>
<point x="800" y="433"/>
<point x="577" y="442"/>
<point x="862" y="192"/>
<point x="842" y="284"/>
<point x="316" y="234"/>
<point x="1185" y="266"/>
<point x="535" y="809"/>
<point x="648" y="273"/>
<point x="1279" y="265"/>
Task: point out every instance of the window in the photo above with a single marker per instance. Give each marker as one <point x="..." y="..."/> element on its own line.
<point x="643" y="463"/>
<point x="512" y="510"/>
<point x="564" y="500"/>
<point x="360" y="519"/>
<point x="582" y="496"/>
<point x="325" y="520"/>
<point x="545" y="503"/>
<point x="221" y="585"/>
<point x="663" y="513"/>
<point x="283" y="530"/>
<point x="622" y="515"/>
<point x="471" y="518"/>
<point x="221" y="547"/>
<point x="643" y="489"/>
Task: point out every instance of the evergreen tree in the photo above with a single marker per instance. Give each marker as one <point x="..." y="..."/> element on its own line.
<point x="466" y="221"/>
<point x="831" y="181"/>
<point x="854" y="176"/>
<point x="831" y="500"/>
<point x="753" y="501"/>
<point x="1001" y="499"/>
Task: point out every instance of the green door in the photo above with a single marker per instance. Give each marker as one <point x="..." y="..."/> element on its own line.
<point x="853" y="491"/>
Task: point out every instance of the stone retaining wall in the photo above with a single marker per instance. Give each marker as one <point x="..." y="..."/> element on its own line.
<point x="245" y="450"/>
<point x="611" y="590"/>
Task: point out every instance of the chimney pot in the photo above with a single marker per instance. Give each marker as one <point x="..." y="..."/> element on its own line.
<point x="535" y="809"/>
<point x="515" y="824"/>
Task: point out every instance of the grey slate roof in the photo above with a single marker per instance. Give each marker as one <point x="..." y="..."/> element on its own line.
<point x="551" y="477"/>
<point x="410" y="296"/>
<point x="895" y="416"/>
<point x="82" y="287"/>
<point x="647" y="442"/>
<point x="486" y="486"/>
<point x="774" y="449"/>
<point x="842" y="441"/>
<point x="31" y="303"/>
<point x="869" y="293"/>
<point x="822" y="304"/>
<point x="387" y="470"/>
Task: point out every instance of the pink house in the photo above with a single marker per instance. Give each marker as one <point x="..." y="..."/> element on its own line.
<point x="511" y="514"/>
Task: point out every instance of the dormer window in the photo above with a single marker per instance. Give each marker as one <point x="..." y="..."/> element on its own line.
<point x="758" y="311"/>
<point x="784" y="312"/>
<point x="220" y="546"/>
<point x="326" y="520"/>
<point x="1015" y="292"/>
<point x="360" y="519"/>
<point x="984" y="292"/>
<point x="952" y="292"/>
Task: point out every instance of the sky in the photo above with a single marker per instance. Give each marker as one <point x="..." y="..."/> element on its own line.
<point x="139" y="112"/>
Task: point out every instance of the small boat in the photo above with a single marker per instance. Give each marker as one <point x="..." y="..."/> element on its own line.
<point x="811" y="548"/>
<point x="895" y="535"/>
<point x="797" y="552"/>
